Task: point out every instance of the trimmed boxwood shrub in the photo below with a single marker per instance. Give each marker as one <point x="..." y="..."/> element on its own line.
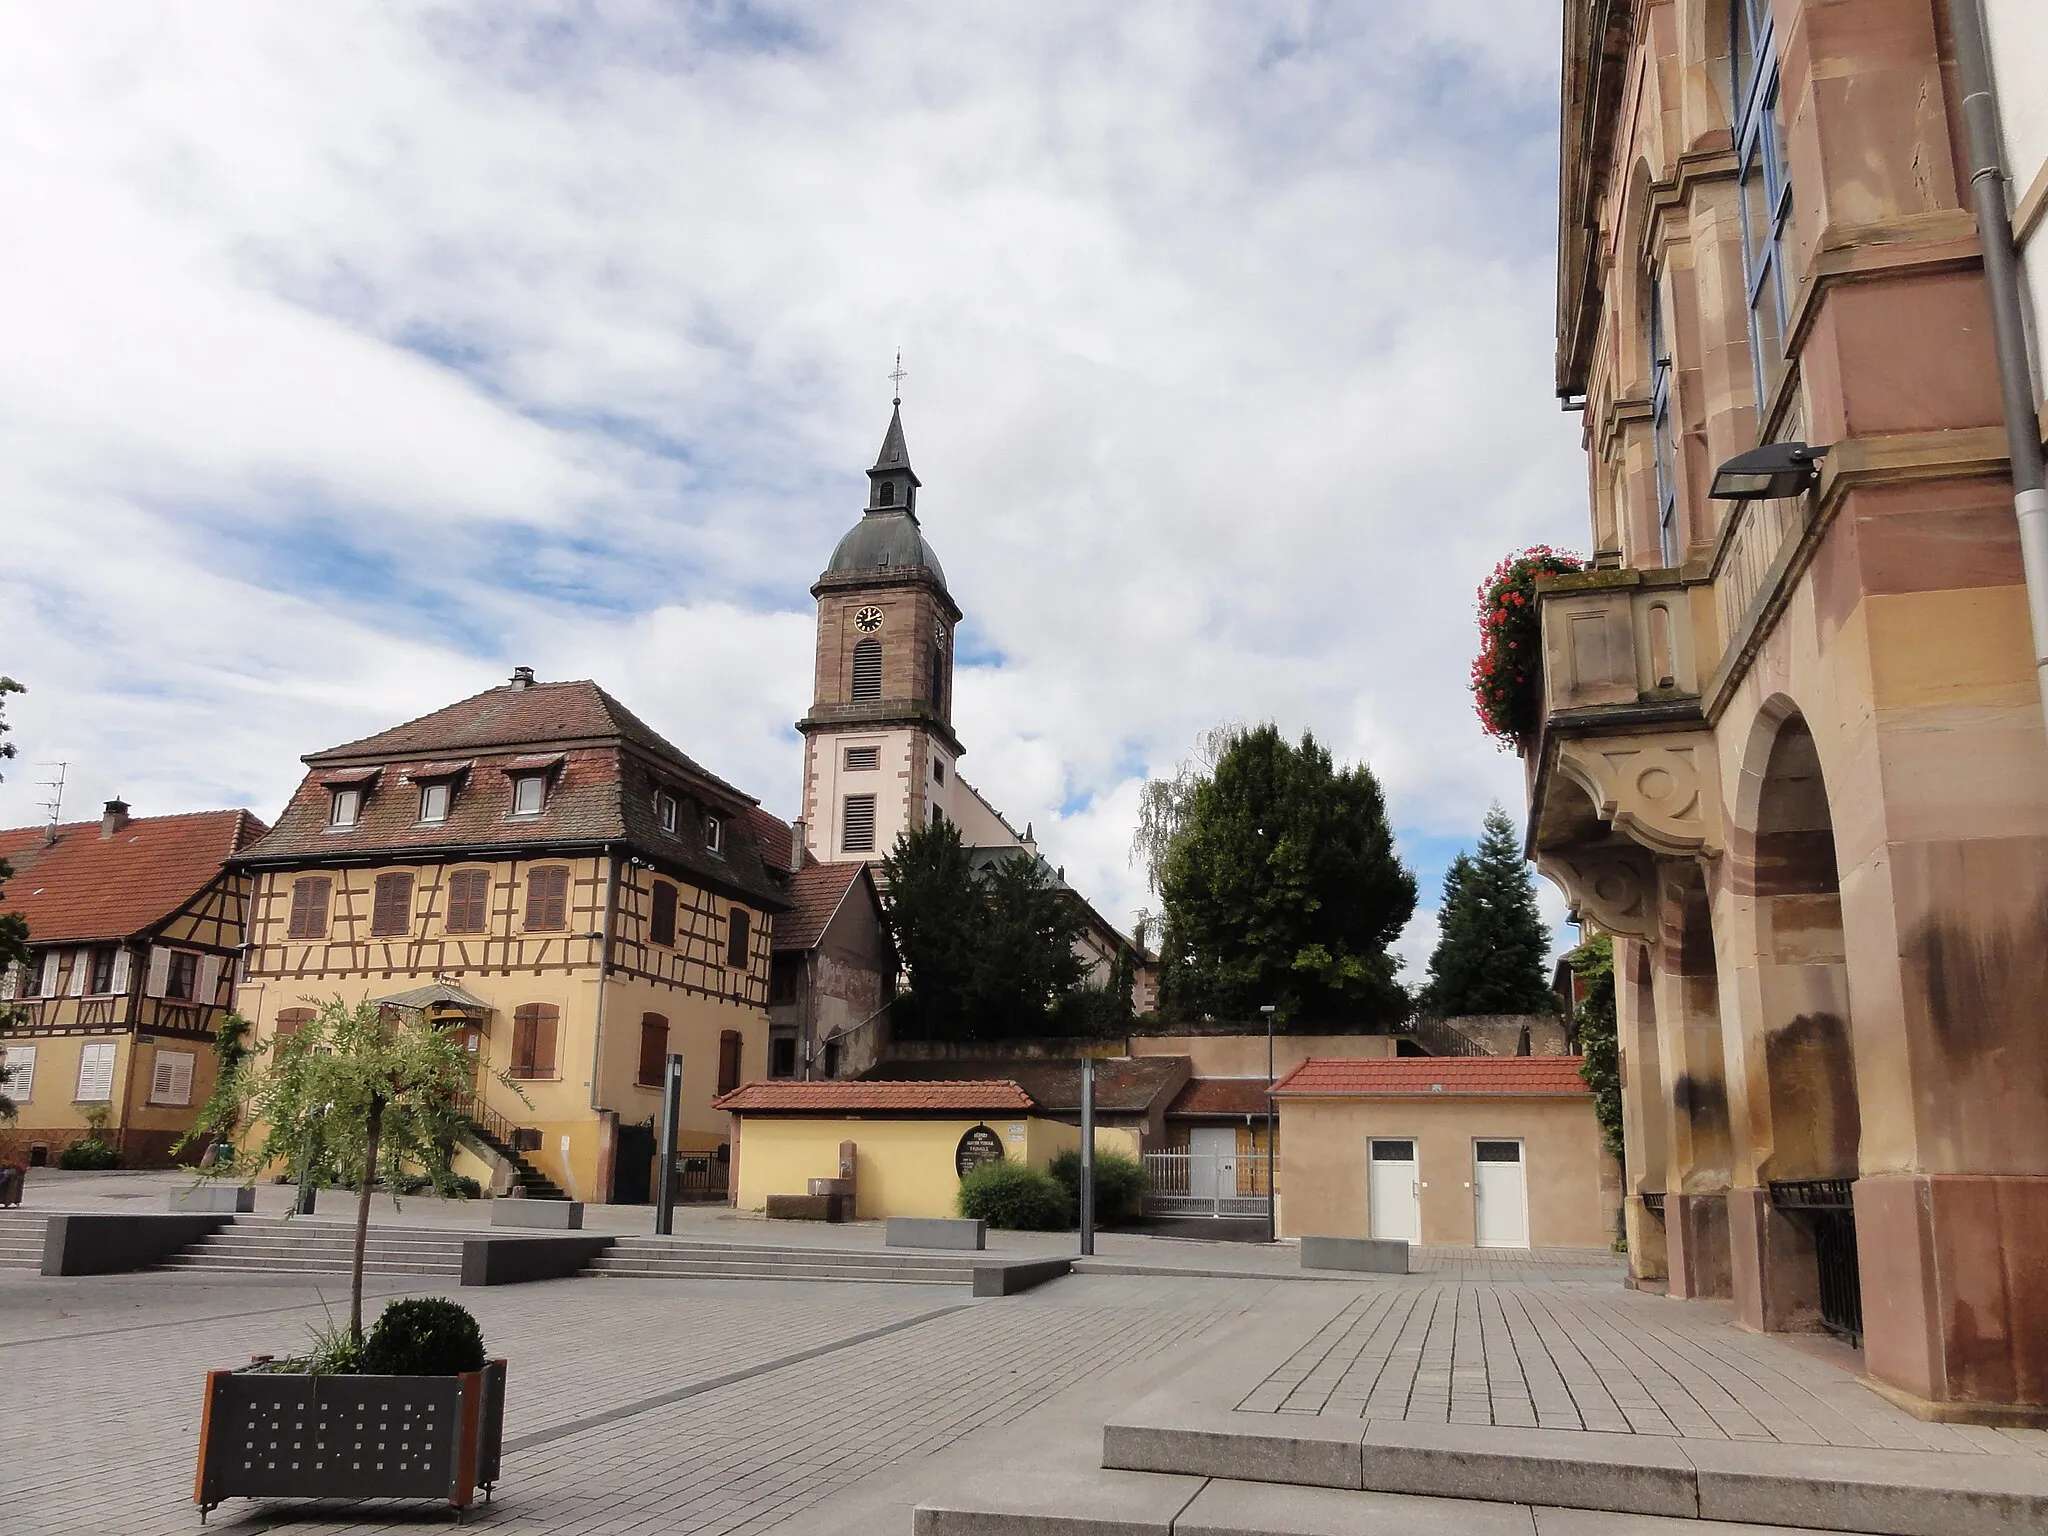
<point x="89" y="1152"/>
<point x="423" y="1336"/>
<point x="1119" y="1183"/>
<point x="1015" y="1197"/>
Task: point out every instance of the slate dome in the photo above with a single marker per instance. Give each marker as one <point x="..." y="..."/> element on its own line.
<point x="888" y="539"/>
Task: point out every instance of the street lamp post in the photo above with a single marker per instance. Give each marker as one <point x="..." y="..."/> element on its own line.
<point x="1272" y="1162"/>
<point x="665" y="1176"/>
<point x="1087" y="1211"/>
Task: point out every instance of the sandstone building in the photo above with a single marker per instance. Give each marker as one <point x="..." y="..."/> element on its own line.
<point x="1792" y="753"/>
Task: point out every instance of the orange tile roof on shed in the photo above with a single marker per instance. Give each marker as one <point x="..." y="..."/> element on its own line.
<point x="1422" y="1076"/>
<point x="816" y="891"/>
<point x="839" y="1098"/>
<point x="84" y="886"/>
<point x="1221" y="1096"/>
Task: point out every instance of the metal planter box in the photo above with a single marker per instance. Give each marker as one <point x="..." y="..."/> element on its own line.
<point x="266" y="1436"/>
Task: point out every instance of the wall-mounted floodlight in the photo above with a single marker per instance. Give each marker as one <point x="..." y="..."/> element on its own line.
<point x="1772" y="471"/>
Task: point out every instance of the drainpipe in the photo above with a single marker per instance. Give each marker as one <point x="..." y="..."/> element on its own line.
<point x="2001" y="273"/>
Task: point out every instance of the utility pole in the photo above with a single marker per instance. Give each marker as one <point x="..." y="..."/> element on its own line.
<point x="1087" y="1156"/>
<point x="665" y="1177"/>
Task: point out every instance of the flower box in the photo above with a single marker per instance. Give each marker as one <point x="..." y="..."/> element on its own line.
<point x="271" y="1435"/>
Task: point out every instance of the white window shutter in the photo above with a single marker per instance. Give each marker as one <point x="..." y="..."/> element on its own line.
<point x="181" y="1077"/>
<point x="21" y="1072"/>
<point x="96" y="1073"/>
<point x="10" y="981"/>
<point x="49" y="984"/>
<point x="209" y="980"/>
<point x="81" y="962"/>
<point x="159" y="970"/>
<point x="161" y="1078"/>
<point x="121" y="966"/>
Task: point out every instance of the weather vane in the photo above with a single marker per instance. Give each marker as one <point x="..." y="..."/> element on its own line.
<point x="897" y="377"/>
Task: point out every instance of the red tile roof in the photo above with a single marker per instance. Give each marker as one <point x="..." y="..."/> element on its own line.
<point x="604" y="767"/>
<point x="817" y="890"/>
<point x="1422" y="1076"/>
<point x="837" y="1098"/>
<point x="1234" y="1096"/>
<point x="772" y="836"/>
<point x="84" y="886"/>
<point x="1124" y="1085"/>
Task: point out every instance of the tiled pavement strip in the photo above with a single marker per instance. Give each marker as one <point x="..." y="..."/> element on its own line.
<point x="115" y="1366"/>
<point x="1587" y="1354"/>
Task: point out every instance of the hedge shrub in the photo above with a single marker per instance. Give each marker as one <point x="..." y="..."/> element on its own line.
<point x="1014" y="1197"/>
<point x="423" y="1336"/>
<point x="1119" y="1183"/>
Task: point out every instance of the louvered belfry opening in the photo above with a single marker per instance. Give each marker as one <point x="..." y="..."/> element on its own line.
<point x="867" y="672"/>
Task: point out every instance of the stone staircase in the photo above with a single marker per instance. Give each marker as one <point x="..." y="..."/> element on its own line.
<point x="304" y="1246"/>
<point x="493" y="1136"/>
<point x="21" y="1239"/>
<point x="663" y="1258"/>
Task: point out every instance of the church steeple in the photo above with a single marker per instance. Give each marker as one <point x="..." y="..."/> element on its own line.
<point x="892" y="483"/>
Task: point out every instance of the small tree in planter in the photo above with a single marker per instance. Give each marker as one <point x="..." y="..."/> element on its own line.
<point x="367" y="1092"/>
<point x="1507" y="674"/>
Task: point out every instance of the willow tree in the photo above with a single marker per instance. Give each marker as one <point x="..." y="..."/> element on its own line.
<point x="361" y="1093"/>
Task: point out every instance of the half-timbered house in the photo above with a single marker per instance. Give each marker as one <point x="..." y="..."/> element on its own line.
<point x="538" y="868"/>
<point x="134" y="925"/>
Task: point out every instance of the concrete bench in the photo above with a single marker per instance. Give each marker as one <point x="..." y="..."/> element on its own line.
<point x="1008" y="1277"/>
<point x="934" y="1232"/>
<point x="808" y="1208"/>
<point x="562" y="1215"/>
<point x="1373" y="1255"/>
<point x="216" y="1199"/>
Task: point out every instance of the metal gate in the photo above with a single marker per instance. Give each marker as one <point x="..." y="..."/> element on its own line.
<point x="1827" y="1210"/>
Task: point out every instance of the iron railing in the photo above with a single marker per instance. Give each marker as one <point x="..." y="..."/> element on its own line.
<point x="1826" y="1207"/>
<point x="1441" y="1039"/>
<point x="1654" y="1203"/>
<point x="1206" y="1183"/>
<point x="494" y="1126"/>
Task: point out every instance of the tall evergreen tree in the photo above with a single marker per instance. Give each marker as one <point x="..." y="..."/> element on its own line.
<point x="1491" y="945"/>
<point x="1281" y="886"/>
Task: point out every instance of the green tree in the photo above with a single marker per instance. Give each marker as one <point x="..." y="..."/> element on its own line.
<point x="989" y="952"/>
<point x="1491" y="945"/>
<point x="1599" y="1037"/>
<point x="1281" y="886"/>
<point x="367" y="1091"/>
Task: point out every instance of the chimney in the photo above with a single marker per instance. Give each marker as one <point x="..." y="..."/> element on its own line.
<point x="113" y="817"/>
<point x="796" y="844"/>
<point x="522" y="677"/>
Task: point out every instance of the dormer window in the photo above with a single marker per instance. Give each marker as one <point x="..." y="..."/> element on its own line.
<point x="668" y="810"/>
<point x="714" y="836"/>
<point x="434" y="800"/>
<point x="344" y="807"/>
<point x="529" y="794"/>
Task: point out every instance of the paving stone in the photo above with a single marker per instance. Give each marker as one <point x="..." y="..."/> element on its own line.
<point x="1603" y="1522"/>
<point x="1060" y="1501"/>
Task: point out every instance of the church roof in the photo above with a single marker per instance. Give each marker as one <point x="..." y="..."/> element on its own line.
<point x="894" y="455"/>
<point x="885" y="539"/>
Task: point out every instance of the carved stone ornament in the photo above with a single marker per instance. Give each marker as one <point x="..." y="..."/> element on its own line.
<point x="1613" y="889"/>
<point x="1665" y="797"/>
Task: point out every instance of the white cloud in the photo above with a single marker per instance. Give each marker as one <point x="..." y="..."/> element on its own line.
<point x="356" y="353"/>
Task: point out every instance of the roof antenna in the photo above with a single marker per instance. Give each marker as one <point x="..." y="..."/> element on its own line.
<point x="897" y="377"/>
<point x="55" y="804"/>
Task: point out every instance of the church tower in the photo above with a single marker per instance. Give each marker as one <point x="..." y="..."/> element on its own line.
<point x="879" y="748"/>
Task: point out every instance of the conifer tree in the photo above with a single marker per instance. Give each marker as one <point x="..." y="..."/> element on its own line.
<point x="1491" y="944"/>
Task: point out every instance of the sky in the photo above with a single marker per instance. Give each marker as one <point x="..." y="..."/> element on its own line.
<point x="354" y="354"/>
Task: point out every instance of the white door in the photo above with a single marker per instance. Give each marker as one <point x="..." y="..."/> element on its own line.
<point x="1394" y="1191"/>
<point x="1212" y="1164"/>
<point x="1500" y="1192"/>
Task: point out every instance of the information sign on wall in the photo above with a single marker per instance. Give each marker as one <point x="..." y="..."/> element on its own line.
<point x="978" y="1146"/>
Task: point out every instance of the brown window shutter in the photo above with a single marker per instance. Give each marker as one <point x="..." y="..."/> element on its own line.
<point x="547" y="898"/>
<point x="469" y="893"/>
<point x="533" y="1040"/>
<point x="653" y="1048"/>
<point x="728" y="1060"/>
<point x="391" y="915"/>
<point x="291" y="1020"/>
<point x="737" y="928"/>
<point x="661" y="924"/>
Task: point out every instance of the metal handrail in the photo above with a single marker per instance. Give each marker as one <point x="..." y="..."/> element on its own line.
<point x="1446" y="1039"/>
<point x="471" y="1107"/>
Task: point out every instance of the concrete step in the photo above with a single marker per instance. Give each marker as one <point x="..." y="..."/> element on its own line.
<point x="287" y="1267"/>
<point x="666" y="1258"/>
<point x="1141" y="1504"/>
<point x="685" y="1271"/>
<point x="21" y="1239"/>
<point x="1893" y="1493"/>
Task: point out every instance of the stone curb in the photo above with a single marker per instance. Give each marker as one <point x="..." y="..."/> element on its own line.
<point x="1892" y="1493"/>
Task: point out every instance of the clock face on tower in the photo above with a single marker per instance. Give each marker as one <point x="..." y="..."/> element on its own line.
<point x="868" y="620"/>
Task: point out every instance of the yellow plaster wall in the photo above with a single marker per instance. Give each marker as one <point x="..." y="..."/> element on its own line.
<point x="902" y="1167"/>
<point x="1323" y="1145"/>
